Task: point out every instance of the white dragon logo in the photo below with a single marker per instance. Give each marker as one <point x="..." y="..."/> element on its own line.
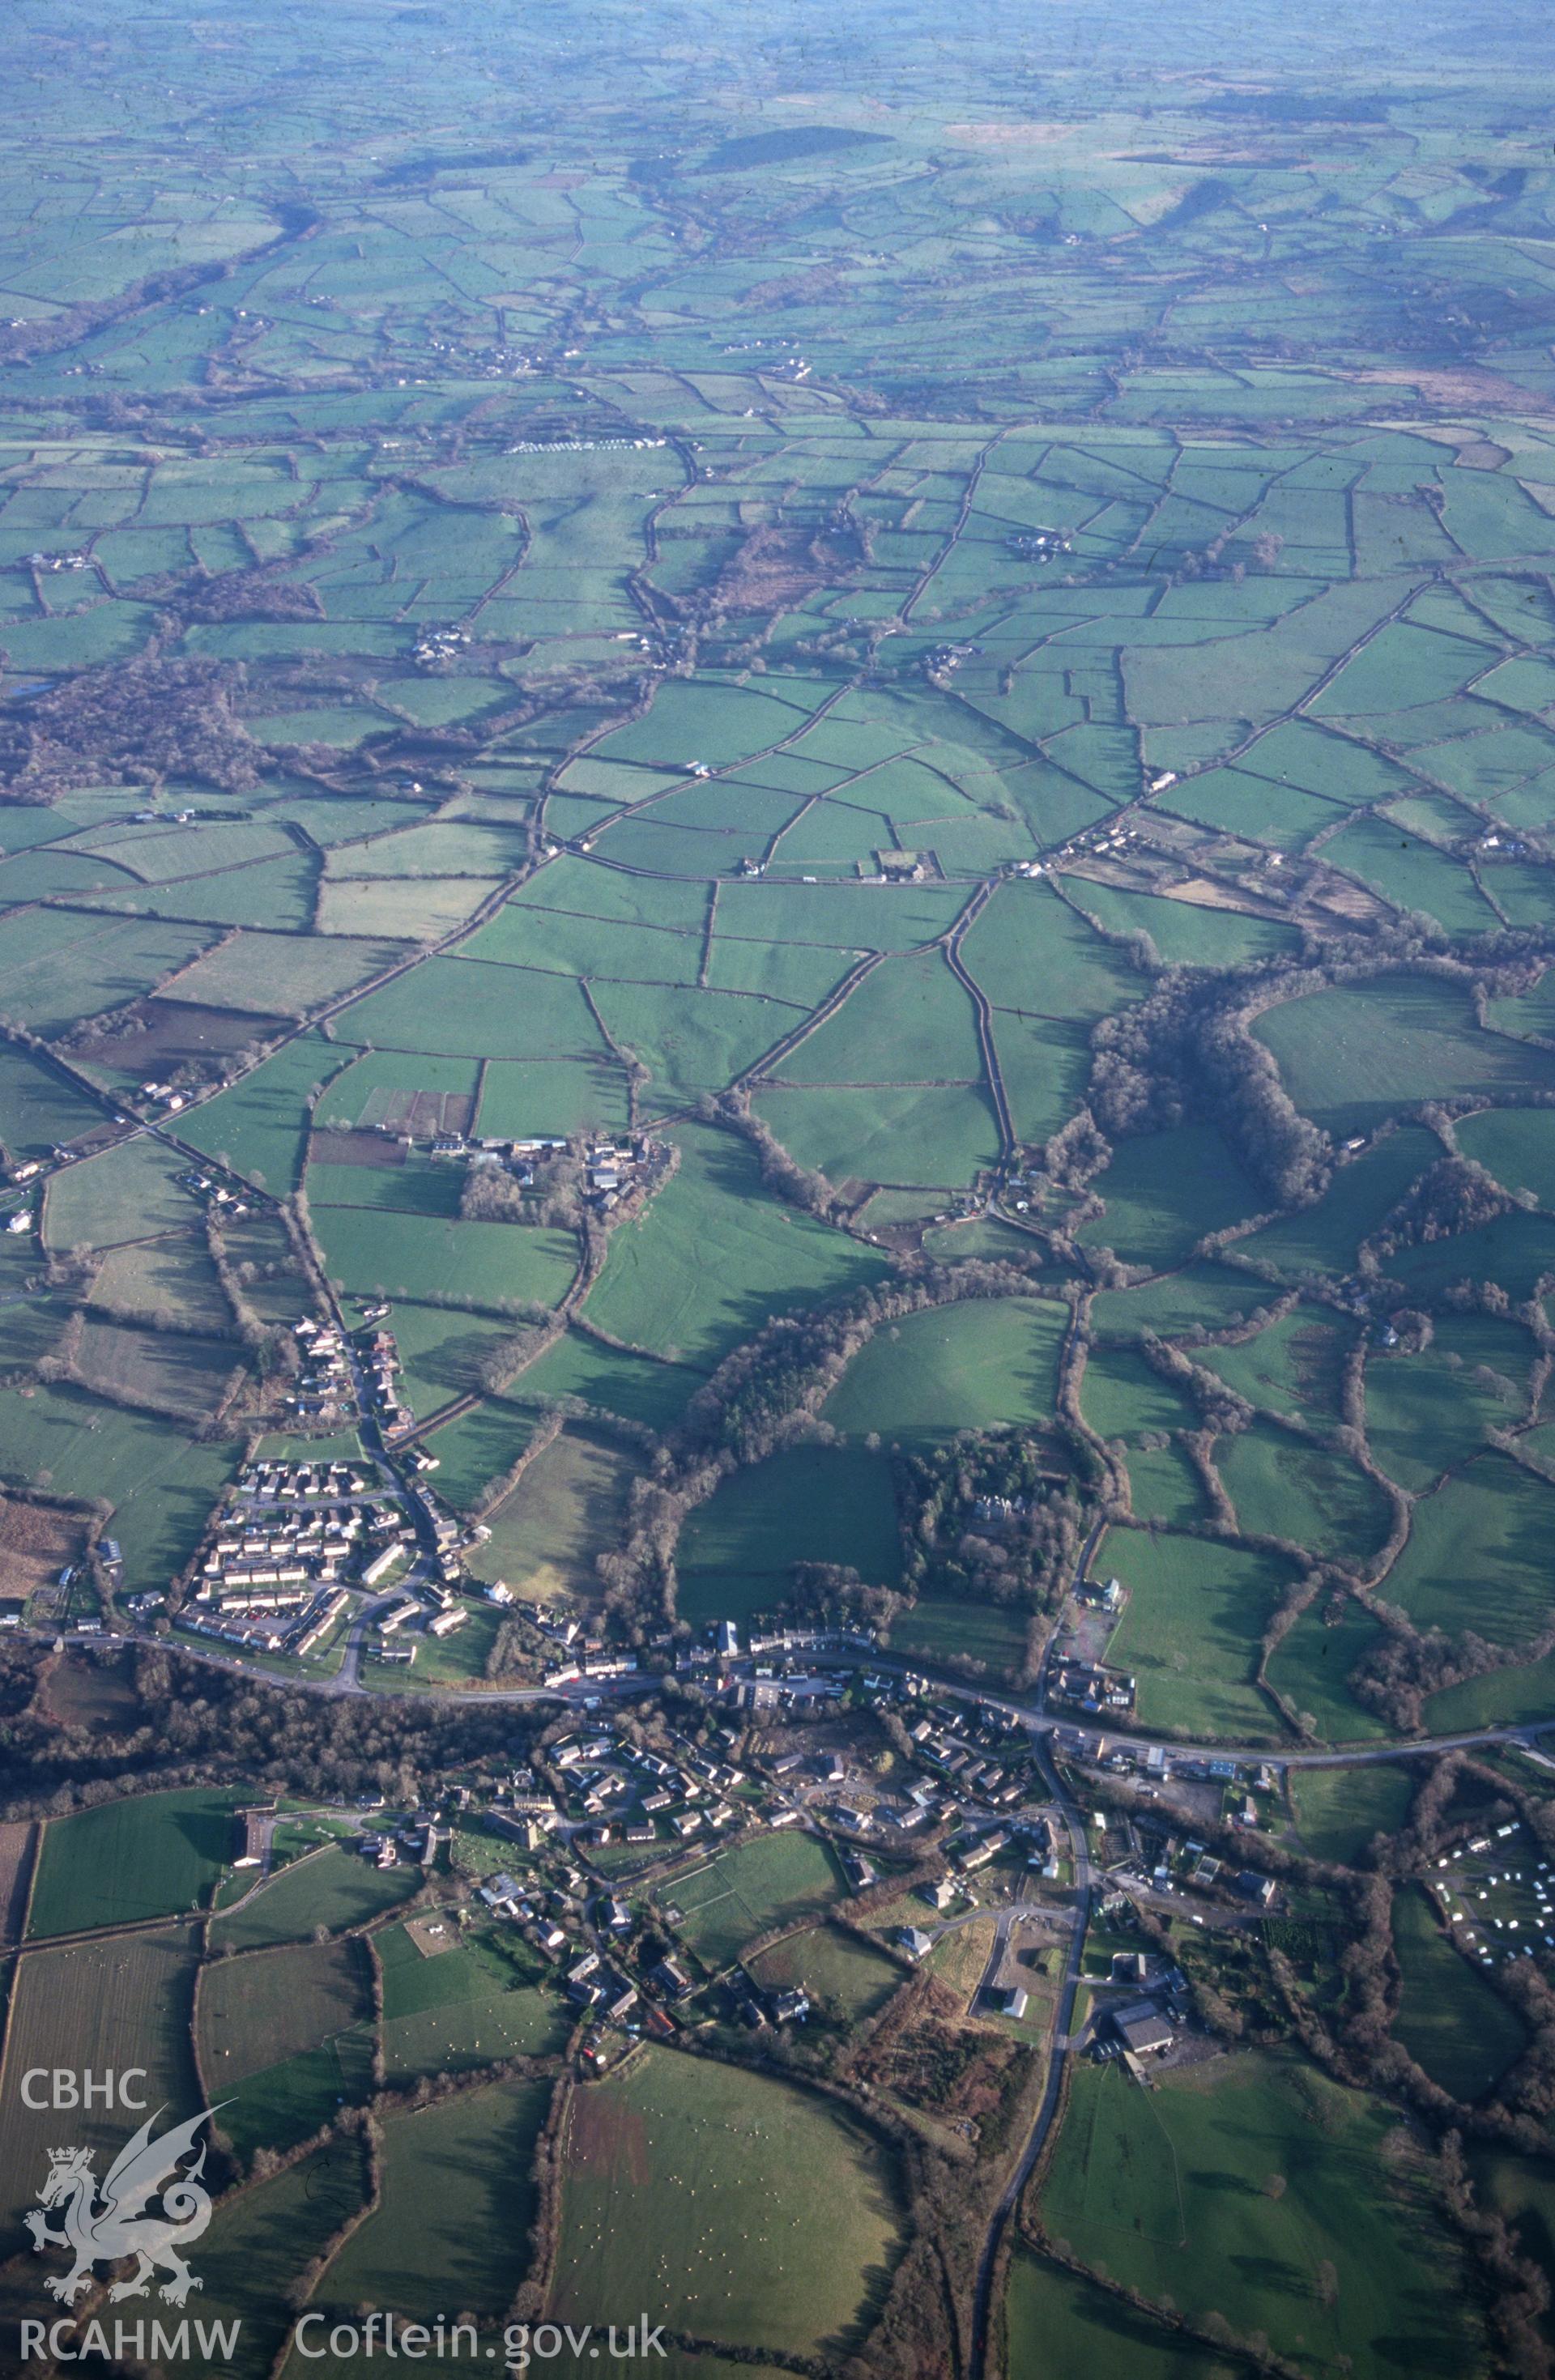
<point x="117" y="2223"/>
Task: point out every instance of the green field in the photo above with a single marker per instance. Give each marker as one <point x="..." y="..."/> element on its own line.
<point x="946" y="1628"/>
<point x="1427" y="1412"/>
<point x="1293" y="1366"/>
<point x="1311" y="1667"/>
<point x="1450" y="2018"/>
<point x="776" y="1879"/>
<point x="798" y="2221"/>
<point x="1285" y="1486"/>
<point x="1191" y="1630"/>
<point x="1339" y="1810"/>
<point x="1165" y="1192"/>
<point x="610" y="1377"/>
<point x="495" y="1265"/>
<point x="334" y="1889"/>
<point x="808" y="1504"/>
<point x="1476" y="1555"/>
<point x="87" y="2008"/>
<point x="569" y="1507"/>
<point x="1354" y="1056"/>
<point x="1054" y="2319"/>
<point x="713" y="1256"/>
<point x="967" y="1367"/>
<point x="1122" y="1395"/>
<point x="1171" y="2191"/>
<point x="148" y="1855"/>
<point x="283" y="2035"/>
<point x="462" y="2007"/>
<point x="844" y="1980"/>
<point x="249" y="2257"/>
<point x="458" y="2195"/>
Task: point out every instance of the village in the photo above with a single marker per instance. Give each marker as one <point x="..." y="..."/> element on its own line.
<point x="608" y="1853"/>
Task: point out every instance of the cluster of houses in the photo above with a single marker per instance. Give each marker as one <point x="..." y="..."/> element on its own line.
<point x="1040" y="544"/>
<point x="413" y="1844"/>
<point x="440" y="645"/>
<point x="325" y="1390"/>
<point x="215" y="1194"/>
<point x="614" y="1167"/>
<point x="381" y="1368"/>
<point x="1090" y="1686"/>
<point x="271" y="1574"/>
<point x="294" y="1620"/>
<point x="620" y="1792"/>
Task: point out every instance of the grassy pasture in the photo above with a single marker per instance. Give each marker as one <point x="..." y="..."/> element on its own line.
<point x="775" y="1879"/>
<point x="1285" y="1486"/>
<point x="907" y="1134"/>
<point x="1451" y="2021"/>
<point x="161" y="1483"/>
<point x="88" y="2007"/>
<point x="713" y="1256"/>
<point x="1201" y="1296"/>
<point x="945" y="1628"/>
<point x="165" y="1369"/>
<point x="1478" y="1555"/>
<point x="58" y="966"/>
<point x="421" y="1256"/>
<point x="159" y="1276"/>
<point x="468" y="1008"/>
<point x="1191" y="1630"/>
<point x="569" y="1506"/>
<point x="147" y="1855"/>
<point x="249" y="2258"/>
<point x="462" y="2009"/>
<point x="128" y="1192"/>
<point x="256" y="2011"/>
<point x="451" y="2229"/>
<point x="555" y="941"/>
<point x="38" y="1109"/>
<point x="522" y="1099"/>
<point x="833" y="1969"/>
<point x="1352" y="1056"/>
<point x="1165" y="1191"/>
<point x="1121" y="1396"/>
<point x="284" y="2035"/>
<point x="1339" y="1810"/>
<point x="633" y="1386"/>
<point x="335" y="1888"/>
<point x="281" y="975"/>
<point x="261" y="1126"/>
<point x="1517" y="1145"/>
<point x="1427" y="1412"/>
<point x="1311" y="1667"/>
<point x="1169" y="2189"/>
<point x="690" y="1041"/>
<point x="807" y="1503"/>
<point x="909" y="1020"/>
<point x="400" y="908"/>
<point x="1164" y="1486"/>
<point x="473" y="1450"/>
<point x="1028" y="950"/>
<point x="716" y="2190"/>
<point x="972" y="1365"/>
<point x="1293" y="1366"/>
<point x="440" y="1352"/>
<point x="419" y="1186"/>
<point x="1056" y="2320"/>
<point x="1324" y="1237"/>
<point x="1185" y="933"/>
